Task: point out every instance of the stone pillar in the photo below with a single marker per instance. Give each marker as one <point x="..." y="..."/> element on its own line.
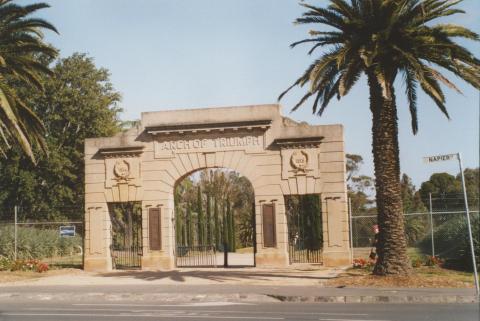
<point x="159" y="258"/>
<point x="269" y="255"/>
<point x="97" y="256"/>
<point x="336" y="248"/>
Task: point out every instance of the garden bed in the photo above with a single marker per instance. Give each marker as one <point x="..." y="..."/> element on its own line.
<point x="13" y="276"/>
<point x="421" y="277"/>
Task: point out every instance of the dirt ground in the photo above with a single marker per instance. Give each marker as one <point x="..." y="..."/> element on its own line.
<point x="423" y="277"/>
<point x="13" y="276"/>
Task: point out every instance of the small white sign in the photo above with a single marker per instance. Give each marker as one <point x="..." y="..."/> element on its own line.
<point x="67" y="231"/>
<point x="439" y="158"/>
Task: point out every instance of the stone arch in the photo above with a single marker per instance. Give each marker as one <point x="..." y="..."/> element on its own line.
<point x="277" y="155"/>
<point x="266" y="190"/>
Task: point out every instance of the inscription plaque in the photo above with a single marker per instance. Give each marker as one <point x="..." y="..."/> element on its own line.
<point x="166" y="147"/>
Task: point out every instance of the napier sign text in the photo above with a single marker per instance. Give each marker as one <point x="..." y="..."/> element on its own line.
<point x="439" y="158"/>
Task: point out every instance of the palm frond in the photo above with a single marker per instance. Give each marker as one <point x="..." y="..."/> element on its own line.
<point x="411" y="92"/>
<point x="349" y="76"/>
<point x="382" y="38"/>
<point x="452" y="30"/>
<point x="21" y="45"/>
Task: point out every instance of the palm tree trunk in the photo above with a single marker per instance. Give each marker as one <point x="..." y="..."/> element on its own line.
<point x="391" y="246"/>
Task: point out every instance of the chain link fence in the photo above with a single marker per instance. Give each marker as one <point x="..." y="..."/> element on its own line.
<point x="440" y="231"/>
<point x="58" y="242"/>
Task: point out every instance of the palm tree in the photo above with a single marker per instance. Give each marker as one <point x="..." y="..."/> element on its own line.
<point x="21" y="50"/>
<point x="382" y="39"/>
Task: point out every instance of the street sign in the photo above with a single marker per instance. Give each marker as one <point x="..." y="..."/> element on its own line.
<point x="447" y="157"/>
<point x="67" y="231"/>
<point x="439" y="158"/>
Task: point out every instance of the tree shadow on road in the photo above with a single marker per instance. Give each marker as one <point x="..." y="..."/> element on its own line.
<point x="220" y="275"/>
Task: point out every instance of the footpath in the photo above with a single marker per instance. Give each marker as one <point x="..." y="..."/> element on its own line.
<point x="228" y="285"/>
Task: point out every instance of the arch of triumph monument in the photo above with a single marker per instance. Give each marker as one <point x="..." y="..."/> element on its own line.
<point x="278" y="155"/>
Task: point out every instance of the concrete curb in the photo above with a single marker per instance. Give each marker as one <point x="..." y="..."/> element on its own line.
<point x="379" y="299"/>
<point x="239" y="297"/>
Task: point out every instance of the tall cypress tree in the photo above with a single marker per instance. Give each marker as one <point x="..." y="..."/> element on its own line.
<point x="229" y="226"/>
<point x="178" y="226"/>
<point x="189" y="226"/>
<point x="225" y="227"/>
<point x="184" y="229"/>
<point x="232" y="231"/>
<point x="209" y="220"/>
<point x="201" y="220"/>
<point x="217" y="222"/>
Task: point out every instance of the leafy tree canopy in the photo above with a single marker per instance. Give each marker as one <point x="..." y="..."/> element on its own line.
<point x="446" y="190"/>
<point x="412" y="202"/>
<point x="78" y="102"/>
<point x="360" y="187"/>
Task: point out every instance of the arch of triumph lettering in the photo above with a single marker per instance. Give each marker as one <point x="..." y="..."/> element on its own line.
<point x="278" y="155"/>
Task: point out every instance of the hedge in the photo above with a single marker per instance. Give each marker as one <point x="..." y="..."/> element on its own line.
<point x="34" y="243"/>
<point x="452" y="242"/>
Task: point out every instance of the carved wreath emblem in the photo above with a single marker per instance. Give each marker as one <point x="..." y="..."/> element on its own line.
<point x="299" y="160"/>
<point x="121" y="169"/>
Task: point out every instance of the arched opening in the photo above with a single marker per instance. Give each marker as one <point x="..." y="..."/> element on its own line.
<point x="214" y="219"/>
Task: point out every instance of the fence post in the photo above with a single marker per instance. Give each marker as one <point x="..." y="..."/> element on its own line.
<point x="351" y="227"/>
<point x="431" y="222"/>
<point x="15" y="232"/>
<point x="472" y="249"/>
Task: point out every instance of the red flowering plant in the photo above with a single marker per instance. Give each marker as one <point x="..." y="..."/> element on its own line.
<point x="42" y="267"/>
<point x="29" y="265"/>
<point x="432" y="260"/>
<point x="359" y="263"/>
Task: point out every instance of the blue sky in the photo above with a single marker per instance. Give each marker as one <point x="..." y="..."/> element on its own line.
<point x="172" y="54"/>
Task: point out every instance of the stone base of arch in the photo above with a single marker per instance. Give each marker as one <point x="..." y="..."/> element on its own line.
<point x="158" y="262"/>
<point x="100" y="264"/>
<point x="271" y="259"/>
<point x="333" y="259"/>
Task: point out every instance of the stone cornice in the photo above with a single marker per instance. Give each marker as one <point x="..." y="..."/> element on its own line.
<point x="122" y="151"/>
<point x="299" y="142"/>
<point x="208" y="127"/>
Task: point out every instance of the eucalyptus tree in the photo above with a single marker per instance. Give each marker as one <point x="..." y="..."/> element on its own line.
<point x="22" y="48"/>
<point x="384" y="39"/>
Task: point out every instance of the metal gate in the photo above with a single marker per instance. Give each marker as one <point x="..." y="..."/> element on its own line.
<point x="304" y="255"/>
<point x="126" y="248"/>
<point x="199" y="256"/>
<point x="126" y="257"/>
<point x="304" y="228"/>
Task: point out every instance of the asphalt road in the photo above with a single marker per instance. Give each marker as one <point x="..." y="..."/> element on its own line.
<point x="181" y="288"/>
<point x="70" y="311"/>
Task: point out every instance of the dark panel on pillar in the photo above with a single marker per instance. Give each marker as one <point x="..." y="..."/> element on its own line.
<point x="155" y="229"/>
<point x="269" y="235"/>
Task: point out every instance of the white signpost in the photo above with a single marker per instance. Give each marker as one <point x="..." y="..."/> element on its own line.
<point x="447" y="157"/>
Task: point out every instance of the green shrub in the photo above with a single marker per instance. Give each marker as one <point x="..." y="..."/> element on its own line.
<point x="452" y="242"/>
<point x="35" y="243"/>
<point x="417" y="262"/>
<point x="5" y="263"/>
